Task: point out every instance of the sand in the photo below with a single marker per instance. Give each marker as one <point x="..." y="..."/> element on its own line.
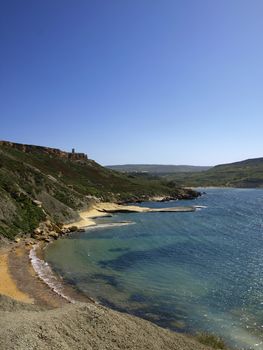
<point x="106" y="208"/>
<point x="7" y="284"/>
<point x="87" y="216"/>
<point x="54" y="324"/>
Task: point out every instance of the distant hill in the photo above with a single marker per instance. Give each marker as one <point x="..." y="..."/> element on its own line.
<point x="243" y="174"/>
<point x="157" y="168"/>
<point x="39" y="182"/>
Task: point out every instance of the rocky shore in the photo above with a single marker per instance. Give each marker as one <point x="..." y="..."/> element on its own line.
<point x="41" y="319"/>
<point x="48" y="231"/>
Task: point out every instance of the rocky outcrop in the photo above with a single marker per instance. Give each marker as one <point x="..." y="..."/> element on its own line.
<point x="54" y="152"/>
<point x="48" y="231"/>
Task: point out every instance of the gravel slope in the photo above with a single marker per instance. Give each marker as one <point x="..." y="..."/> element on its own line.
<point x="82" y="326"/>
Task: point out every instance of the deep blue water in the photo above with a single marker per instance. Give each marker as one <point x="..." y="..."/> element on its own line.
<point x="200" y="271"/>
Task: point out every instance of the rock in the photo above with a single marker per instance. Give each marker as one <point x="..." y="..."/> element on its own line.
<point x="73" y="228"/>
<point x="65" y="230"/>
<point x="17" y="240"/>
<point x="57" y="229"/>
<point x="37" y="203"/>
<point x="37" y="231"/>
<point x="53" y="234"/>
<point x="48" y="223"/>
<point x="60" y="225"/>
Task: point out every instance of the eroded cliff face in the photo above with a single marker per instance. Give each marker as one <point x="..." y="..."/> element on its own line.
<point x="44" y="150"/>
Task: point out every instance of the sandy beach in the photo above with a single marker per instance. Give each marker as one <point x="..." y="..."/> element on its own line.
<point x="52" y="322"/>
<point x="32" y="316"/>
<point x="101" y="210"/>
<point x="18" y="279"/>
<point x="104" y="209"/>
<point x="8" y="285"/>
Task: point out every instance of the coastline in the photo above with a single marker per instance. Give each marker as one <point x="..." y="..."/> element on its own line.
<point x="24" y="258"/>
<point x="8" y="285"/>
<point x="20" y="280"/>
<point x="105" y="209"/>
<point x="27" y="287"/>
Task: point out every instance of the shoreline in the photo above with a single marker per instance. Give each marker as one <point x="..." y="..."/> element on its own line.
<point x="24" y="258"/>
<point x="8" y="285"/>
<point x="32" y="291"/>
<point x="105" y="209"/>
<point x="15" y="261"/>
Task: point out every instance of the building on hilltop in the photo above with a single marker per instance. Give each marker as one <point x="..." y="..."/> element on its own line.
<point x="52" y="152"/>
<point x="77" y="156"/>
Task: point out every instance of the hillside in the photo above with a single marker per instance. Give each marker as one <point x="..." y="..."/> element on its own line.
<point x="243" y="174"/>
<point x="157" y="168"/>
<point x="38" y="182"/>
<point x="83" y="326"/>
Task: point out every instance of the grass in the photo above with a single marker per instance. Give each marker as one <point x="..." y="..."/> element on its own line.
<point x="246" y="174"/>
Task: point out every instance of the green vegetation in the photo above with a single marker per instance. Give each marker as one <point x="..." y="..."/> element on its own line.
<point x="245" y="174"/>
<point x="36" y="182"/>
<point x="211" y="340"/>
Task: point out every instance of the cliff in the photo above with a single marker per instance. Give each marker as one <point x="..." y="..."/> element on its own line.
<point x="52" y="152"/>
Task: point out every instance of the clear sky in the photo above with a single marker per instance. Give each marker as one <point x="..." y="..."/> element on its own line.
<point x="134" y="81"/>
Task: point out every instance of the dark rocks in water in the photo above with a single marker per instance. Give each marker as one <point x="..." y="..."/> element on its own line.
<point x="73" y="228"/>
<point x="111" y="280"/>
<point x="119" y="249"/>
<point x="101" y="217"/>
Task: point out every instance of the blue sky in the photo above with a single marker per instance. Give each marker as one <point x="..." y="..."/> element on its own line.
<point x="134" y="81"/>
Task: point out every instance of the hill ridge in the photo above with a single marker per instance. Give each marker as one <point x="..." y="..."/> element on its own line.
<point x="157" y="168"/>
<point x="246" y="173"/>
<point x="27" y="148"/>
<point x="37" y="181"/>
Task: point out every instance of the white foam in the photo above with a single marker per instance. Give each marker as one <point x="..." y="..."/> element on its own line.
<point x="45" y="273"/>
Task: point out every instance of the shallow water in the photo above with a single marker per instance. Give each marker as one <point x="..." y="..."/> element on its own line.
<point x="200" y="271"/>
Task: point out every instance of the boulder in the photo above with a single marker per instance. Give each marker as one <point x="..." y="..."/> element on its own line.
<point x="37" y="231"/>
<point x="73" y="228"/>
<point x="48" y="223"/>
<point x="53" y="234"/>
<point x="57" y="229"/>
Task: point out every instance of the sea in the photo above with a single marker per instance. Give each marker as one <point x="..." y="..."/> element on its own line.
<point x="190" y="272"/>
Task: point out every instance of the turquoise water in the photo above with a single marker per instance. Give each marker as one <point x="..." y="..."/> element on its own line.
<point x="200" y="271"/>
